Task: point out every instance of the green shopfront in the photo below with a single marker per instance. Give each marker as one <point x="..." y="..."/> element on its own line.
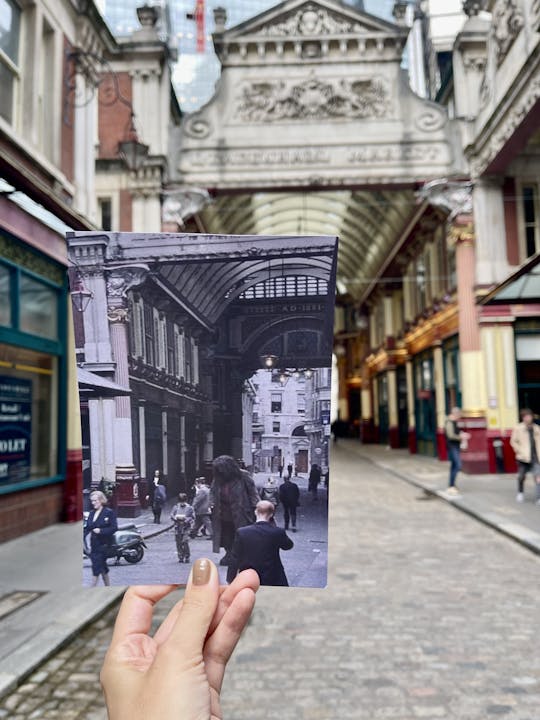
<point x="33" y="290"/>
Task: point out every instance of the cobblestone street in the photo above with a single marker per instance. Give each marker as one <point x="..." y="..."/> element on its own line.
<point x="428" y="614"/>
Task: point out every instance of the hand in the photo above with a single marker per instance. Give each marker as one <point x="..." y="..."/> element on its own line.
<point x="178" y="673"/>
<point x="96" y="530"/>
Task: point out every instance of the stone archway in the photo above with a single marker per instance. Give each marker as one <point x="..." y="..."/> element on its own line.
<point x="314" y="129"/>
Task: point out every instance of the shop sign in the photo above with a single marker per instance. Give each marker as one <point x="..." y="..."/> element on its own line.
<point x="15" y="428"/>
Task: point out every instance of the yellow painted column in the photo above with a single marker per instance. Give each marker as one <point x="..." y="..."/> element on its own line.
<point x="393" y="421"/>
<point x="499" y="369"/>
<point x="72" y="502"/>
<point x="366" y="404"/>
<point x="440" y="400"/>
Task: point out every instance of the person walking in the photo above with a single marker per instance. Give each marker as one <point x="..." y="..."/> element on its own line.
<point x="233" y="498"/>
<point x="270" y="492"/>
<point x="257" y="547"/>
<point x="280" y="468"/>
<point x="289" y="470"/>
<point x="454" y="439"/>
<point x="314" y="480"/>
<point x="183" y="517"/>
<point x="525" y="442"/>
<point x="157" y="497"/>
<point x="289" y="494"/>
<point x="201" y="508"/>
<point x="101" y="526"/>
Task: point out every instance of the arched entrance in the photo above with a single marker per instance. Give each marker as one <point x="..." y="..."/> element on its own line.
<point x="314" y="130"/>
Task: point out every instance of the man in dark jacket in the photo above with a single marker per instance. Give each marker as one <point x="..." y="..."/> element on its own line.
<point x="257" y="547"/>
<point x="289" y="494"/>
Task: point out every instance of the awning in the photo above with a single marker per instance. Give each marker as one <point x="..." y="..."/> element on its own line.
<point x="95" y="386"/>
<point x="521" y="287"/>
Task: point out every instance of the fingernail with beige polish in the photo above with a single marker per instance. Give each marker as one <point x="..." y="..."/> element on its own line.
<point x="201" y="571"/>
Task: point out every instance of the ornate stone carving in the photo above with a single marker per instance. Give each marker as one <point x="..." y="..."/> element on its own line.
<point x="122" y="279"/>
<point x="453" y="196"/>
<point x="197" y="127"/>
<point x="312" y="98"/>
<point x="506" y="129"/>
<point x="476" y="63"/>
<point x="182" y="203"/>
<point x="506" y="24"/>
<point x="433" y="119"/>
<point x="117" y="315"/>
<point x="311" y="20"/>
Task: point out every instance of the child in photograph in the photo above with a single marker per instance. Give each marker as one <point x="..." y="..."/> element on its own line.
<point x="183" y="516"/>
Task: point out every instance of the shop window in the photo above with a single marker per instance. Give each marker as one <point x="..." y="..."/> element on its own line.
<point x="38" y="308"/>
<point x="10" y="18"/>
<point x="28" y="415"/>
<point x="275" y="403"/>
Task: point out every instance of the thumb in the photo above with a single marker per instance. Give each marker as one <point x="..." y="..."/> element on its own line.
<point x="187" y="638"/>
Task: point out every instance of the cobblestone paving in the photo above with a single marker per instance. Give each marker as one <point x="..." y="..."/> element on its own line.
<point x="428" y="614"/>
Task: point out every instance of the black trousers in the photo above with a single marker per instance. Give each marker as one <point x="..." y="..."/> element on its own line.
<point x="289" y="513"/>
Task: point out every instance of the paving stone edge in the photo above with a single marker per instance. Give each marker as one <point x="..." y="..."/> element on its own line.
<point x="10" y="681"/>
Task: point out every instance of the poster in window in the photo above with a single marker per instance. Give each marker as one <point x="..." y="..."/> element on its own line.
<point x="15" y="428"/>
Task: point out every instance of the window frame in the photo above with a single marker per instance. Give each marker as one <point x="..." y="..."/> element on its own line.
<point x="522" y="224"/>
<point x="16" y="338"/>
<point x="13" y="68"/>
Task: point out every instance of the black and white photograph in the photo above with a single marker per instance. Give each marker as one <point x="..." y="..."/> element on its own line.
<point x="204" y="367"/>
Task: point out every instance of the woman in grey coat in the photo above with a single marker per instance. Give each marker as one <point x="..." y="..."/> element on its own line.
<point x="233" y="498"/>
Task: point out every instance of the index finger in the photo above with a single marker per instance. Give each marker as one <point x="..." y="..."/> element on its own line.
<point x="137" y="609"/>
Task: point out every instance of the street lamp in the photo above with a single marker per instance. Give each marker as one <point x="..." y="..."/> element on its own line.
<point x="269" y="361"/>
<point x="80" y="296"/>
<point x="133" y="152"/>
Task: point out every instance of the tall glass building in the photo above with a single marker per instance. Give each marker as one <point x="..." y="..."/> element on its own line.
<point x="196" y="72"/>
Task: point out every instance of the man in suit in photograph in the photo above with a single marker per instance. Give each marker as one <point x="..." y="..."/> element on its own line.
<point x="257" y="547"/>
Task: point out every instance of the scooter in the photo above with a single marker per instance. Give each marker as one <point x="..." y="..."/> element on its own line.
<point x="127" y="543"/>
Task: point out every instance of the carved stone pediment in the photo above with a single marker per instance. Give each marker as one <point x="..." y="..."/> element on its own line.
<point x="311" y="18"/>
<point x="312" y="99"/>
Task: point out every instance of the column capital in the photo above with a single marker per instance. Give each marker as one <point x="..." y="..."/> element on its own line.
<point x="462" y="230"/>
<point x="120" y="279"/>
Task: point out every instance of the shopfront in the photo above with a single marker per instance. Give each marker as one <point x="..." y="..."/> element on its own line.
<point x="452" y="384"/>
<point x="424" y="393"/>
<point x="527" y="339"/>
<point x="32" y="387"/>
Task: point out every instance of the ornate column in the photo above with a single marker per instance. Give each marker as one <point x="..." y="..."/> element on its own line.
<point x="164" y="442"/>
<point x="393" y="422"/>
<point x="473" y="393"/>
<point x="490" y="232"/>
<point x="411" y="407"/>
<point x="440" y="399"/>
<point x="119" y="281"/>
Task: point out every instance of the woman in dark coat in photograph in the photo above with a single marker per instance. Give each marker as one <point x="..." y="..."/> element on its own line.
<point x="233" y="498"/>
<point x="101" y="526"/>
